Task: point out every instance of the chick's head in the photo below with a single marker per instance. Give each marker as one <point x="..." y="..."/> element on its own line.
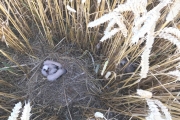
<point x="45" y="68"/>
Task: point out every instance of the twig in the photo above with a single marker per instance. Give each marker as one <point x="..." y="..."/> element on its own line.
<point x="165" y="88"/>
<point x="67" y="102"/>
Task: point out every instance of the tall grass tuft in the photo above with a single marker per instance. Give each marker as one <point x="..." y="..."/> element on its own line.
<point x="145" y="33"/>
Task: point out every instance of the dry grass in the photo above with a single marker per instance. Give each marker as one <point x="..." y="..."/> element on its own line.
<point x="32" y="31"/>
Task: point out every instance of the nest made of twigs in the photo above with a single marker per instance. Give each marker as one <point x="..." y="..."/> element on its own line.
<point x="71" y="87"/>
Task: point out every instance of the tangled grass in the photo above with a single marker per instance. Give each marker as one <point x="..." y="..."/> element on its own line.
<point x="116" y="36"/>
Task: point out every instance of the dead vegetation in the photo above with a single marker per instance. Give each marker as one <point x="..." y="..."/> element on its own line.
<point x="33" y="31"/>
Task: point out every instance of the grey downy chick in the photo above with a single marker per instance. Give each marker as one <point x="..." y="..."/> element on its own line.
<point x="49" y="69"/>
<point x="52" y="70"/>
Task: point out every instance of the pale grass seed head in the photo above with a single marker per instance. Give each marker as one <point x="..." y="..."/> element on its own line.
<point x="110" y="34"/>
<point x="144" y="93"/>
<point x="146" y="54"/>
<point x="175" y="73"/>
<point x="174" y="10"/>
<point x="174" y="40"/>
<point x="158" y="111"/>
<point x="136" y="6"/>
<point x="110" y="26"/>
<point x="137" y="26"/>
<point x="70" y="9"/>
<point x="148" y="28"/>
<point x="15" y="111"/>
<point x="114" y="18"/>
<point x="162" y="4"/>
<point x="149" y="21"/>
<point x="101" y="20"/>
<point x="120" y="22"/>
<point x="173" y="31"/>
<point x="155" y="106"/>
<point x="163" y="109"/>
<point x="145" y="63"/>
<point x="154" y="113"/>
<point x="26" y="112"/>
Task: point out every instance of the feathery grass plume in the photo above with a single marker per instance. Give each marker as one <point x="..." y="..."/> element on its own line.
<point x="120" y="22"/>
<point x="70" y="9"/>
<point x="148" y="28"/>
<point x="144" y="93"/>
<point x="175" y="8"/>
<point x="171" y="30"/>
<point x="115" y="18"/>
<point x="145" y="58"/>
<point x="110" y="34"/>
<point x="154" y="106"/>
<point x="110" y="26"/>
<point x="146" y="54"/>
<point x="163" y="109"/>
<point x="26" y="112"/>
<point x="170" y="38"/>
<point x="148" y="19"/>
<point x="154" y="113"/>
<point x="101" y="20"/>
<point x="15" y="111"/>
<point x="175" y="73"/>
<point x="136" y="6"/>
<point x="139" y="21"/>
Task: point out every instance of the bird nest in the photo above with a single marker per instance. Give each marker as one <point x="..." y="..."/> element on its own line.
<point x="71" y="87"/>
